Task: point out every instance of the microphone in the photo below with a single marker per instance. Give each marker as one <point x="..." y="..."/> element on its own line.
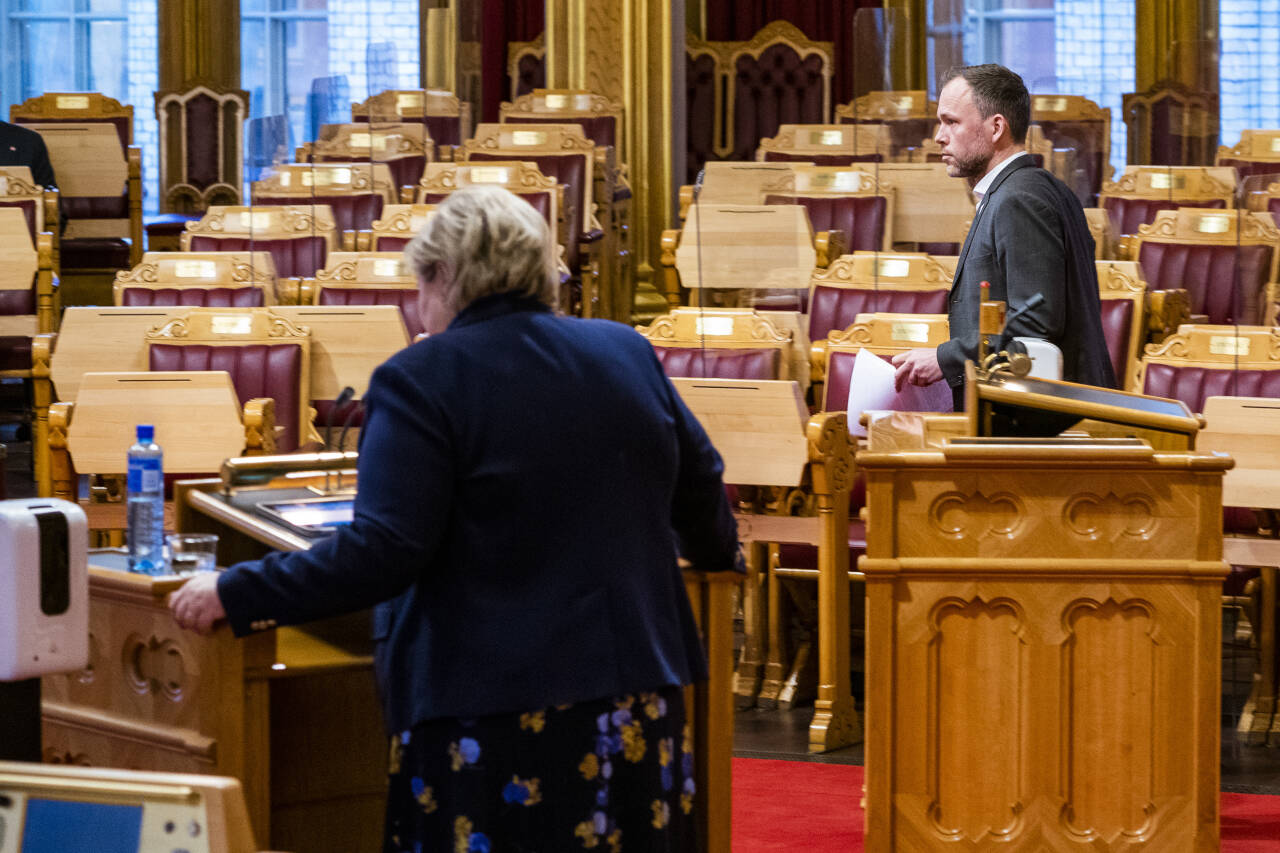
<point x="344" y="397"/>
<point x="1034" y="302"/>
<point x="697" y="183"/>
<point x="356" y="409"/>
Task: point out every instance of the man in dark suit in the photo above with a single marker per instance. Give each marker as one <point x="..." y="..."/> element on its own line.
<point x="20" y="146"/>
<point x="1028" y="237"/>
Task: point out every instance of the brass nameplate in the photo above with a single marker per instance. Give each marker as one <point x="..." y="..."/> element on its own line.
<point x="489" y="175"/>
<point x="905" y="103"/>
<point x="1165" y="181"/>
<point x="408" y="100"/>
<point x="1051" y="105"/>
<point x="195" y="269"/>
<point x="257" y="220"/>
<point x="359" y="140"/>
<point x="826" y="137"/>
<point x="4" y="186"/>
<point x="231" y="324"/>
<point x="387" y="268"/>
<point x="72" y="102"/>
<point x="1213" y="224"/>
<point x="713" y="326"/>
<point x="893" y="268"/>
<point x="556" y="102"/>
<point x="1275" y="145"/>
<point x="916" y="333"/>
<point x="845" y="181"/>
<point x="529" y="137"/>
<point x="1228" y="345"/>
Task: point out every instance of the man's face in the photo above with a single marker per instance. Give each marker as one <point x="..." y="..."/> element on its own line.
<point x="967" y="139"/>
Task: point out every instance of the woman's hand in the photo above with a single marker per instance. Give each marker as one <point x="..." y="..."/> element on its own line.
<point x="195" y="605"/>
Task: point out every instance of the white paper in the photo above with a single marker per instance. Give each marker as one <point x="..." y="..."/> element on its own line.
<point x="871" y="390"/>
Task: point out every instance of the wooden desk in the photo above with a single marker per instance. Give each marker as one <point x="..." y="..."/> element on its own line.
<point x="1043" y="648"/>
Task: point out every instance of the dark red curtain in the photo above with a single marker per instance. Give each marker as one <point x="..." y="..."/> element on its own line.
<point x="820" y="20"/>
<point x="504" y="21"/>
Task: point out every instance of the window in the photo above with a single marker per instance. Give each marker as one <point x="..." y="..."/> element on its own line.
<point x="1249" y="89"/>
<point x="1015" y="33"/>
<point x="304" y="62"/>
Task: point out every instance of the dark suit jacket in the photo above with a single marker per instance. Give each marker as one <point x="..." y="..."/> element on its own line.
<point x="20" y="146"/>
<point x="1030" y="236"/>
<point x="523" y="479"/>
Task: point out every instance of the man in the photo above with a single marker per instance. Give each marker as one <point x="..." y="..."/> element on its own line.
<point x="21" y="146"/>
<point x="1029" y="236"/>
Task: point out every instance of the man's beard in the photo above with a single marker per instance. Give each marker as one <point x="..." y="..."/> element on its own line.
<point x="972" y="167"/>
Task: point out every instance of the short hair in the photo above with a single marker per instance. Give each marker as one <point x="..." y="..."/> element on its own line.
<point x="490" y="241"/>
<point x="996" y="89"/>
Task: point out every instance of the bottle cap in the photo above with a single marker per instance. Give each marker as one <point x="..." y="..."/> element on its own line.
<point x="146" y="432"/>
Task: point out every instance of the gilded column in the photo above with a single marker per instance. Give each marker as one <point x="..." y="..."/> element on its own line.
<point x="905" y="40"/>
<point x="199" y="42"/>
<point x="1177" y="40"/>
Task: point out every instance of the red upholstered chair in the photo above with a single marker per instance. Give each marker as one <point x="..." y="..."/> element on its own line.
<point x="1124" y="324"/>
<point x="298" y="237"/>
<point x="1256" y="154"/>
<point x="354" y="192"/>
<point x="827" y="144"/>
<point x="448" y="120"/>
<point x="527" y="65"/>
<point x="1266" y="201"/>
<point x="405" y="148"/>
<point x="705" y="99"/>
<point x="198" y="280"/>
<point x="909" y="115"/>
<point x="875" y="282"/>
<point x="1144" y="191"/>
<point x="1074" y="121"/>
<point x="393" y="231"/>
<point x="1171" y="124"/>
<point x="599" y="118"/>
<point x="847" y="200"/>
<point x="1225" y="260"/>
<point x="104" y="220"/>
<point x="265" y="355"/>
<point x="777" y="78"/>
<point x="366" y="278"/>
<point x="720" y="343"/>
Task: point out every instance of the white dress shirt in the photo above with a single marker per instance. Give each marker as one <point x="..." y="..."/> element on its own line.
<point x="981" y="188"/>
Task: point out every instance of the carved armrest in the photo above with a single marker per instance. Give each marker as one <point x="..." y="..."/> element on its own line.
<point x="259" y="426"/>
<point x="1166" y="310"/>
<point x="46" y="296"/>
<point x="830" y="456"/>
<point x="686" y="200"/>
<point x="135" y="205"/>
<point x="303" y="153"/>
<point x="364" y="241"/>
<point x="818" y="361"/>
<point x="407" y="193"/>
<point x="670" y="241"/>
<point x="53" y="224"/>
<point x="830" y="245"/>
<point x="289" y="291"/>
<point x="63" y="479"/>
<point x="447" y="152"/>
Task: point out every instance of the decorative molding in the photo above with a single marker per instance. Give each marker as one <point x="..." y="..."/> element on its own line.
<point x="266" y="221"/>
<point x="154" y="666"/>
<point x="1110" y="517"/>
<point x="973" y="516"/>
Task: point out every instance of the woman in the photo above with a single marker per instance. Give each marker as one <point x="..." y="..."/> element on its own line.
<point x="526" y="482"/>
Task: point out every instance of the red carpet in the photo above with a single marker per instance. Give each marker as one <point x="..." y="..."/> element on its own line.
<point x="784" y="806"/>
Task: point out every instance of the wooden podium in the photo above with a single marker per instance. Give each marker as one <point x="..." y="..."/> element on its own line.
<point x="1043" y="646"/>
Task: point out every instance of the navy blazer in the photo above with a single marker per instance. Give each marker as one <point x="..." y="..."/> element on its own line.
<point x="22" y="146"/>
<point x="1030" y="236"/>
<point x="523" y="479"/>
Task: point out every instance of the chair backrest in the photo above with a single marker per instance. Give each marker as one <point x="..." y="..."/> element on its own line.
<point x="1171" y="124"/>
<point x="523" y="179"/>
<point x="884" y="334"/>
<point x="840" y="199"/>
<point x="527" y="65"/>
<point x="19" y="190"/>
<point x="909" y="114"/>
<point x="299" y="237"/>
<point x="1266" y="201"/>
<point x="600" y="118"/>
<point x="399" y="222"/>
<point x="561" y="152"/>
<point x="1212" y="361"/>
<point x="201" y="147"/>
<point x="747" y="247"/>
<point x="827" y="144"/>
<point x="448" y="119"/>
<point x="198" y="279"/>
<point x="1226" y="260"/>
<point x="1074" y="121"/>
<point x="1105" y="240"/>
<point x="354" y="192"/>
<point x="1143" y="191"/>
<point x="20" y="262"/>
<point x="265" y="354"/>
<point x="877" y="282"/>
<point x="720" y="343"/>
<point x="366" y="278"/>
<point x="76" y="108"/>
<point x="779" y="77"/>
<point x="404" y="147"/>
<point x="1257" y="153"/>
<point x="1123" y="292"/>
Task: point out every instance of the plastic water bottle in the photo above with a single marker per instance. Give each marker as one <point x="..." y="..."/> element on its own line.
<point x="146" y="504"/>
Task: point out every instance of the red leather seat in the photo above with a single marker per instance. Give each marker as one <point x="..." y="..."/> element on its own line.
<point x="541" y="202"/>
<point x="780" y="87"/>
<point x="1117" y="325"/>
<point x="1273" y="207"/>
<point x="697" y="363"/>
<point x="570" y="171"/>
<point x="700" y="109"/>
<point x="350" y="212"/>
<point x="1128" y="213"/>
<point x="834" y="308"/>
<point x="198" y="297"/>
<point x="861" y="218"/>
<point x="406" y="299"/>
<point x="294" y="258"/>
<point x="1209" y="274"/>
<point x="257" y="370"/>
<point x="601" y="130"/>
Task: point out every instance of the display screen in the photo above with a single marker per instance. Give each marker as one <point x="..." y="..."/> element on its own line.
<point x="314" y="515"/>
<point x="60" y="826"/>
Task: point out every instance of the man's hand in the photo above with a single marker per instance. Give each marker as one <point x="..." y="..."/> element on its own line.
<point x="917" y="366"/>
<point x="195" y="605"/>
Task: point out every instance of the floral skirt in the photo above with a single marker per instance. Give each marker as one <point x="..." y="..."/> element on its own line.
<point x="609" y="775"/>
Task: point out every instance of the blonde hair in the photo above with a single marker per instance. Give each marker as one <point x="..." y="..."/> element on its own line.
<point x="488" y="241"/>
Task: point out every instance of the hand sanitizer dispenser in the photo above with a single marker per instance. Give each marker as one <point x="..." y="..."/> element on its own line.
<point x="44" y="588"/>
